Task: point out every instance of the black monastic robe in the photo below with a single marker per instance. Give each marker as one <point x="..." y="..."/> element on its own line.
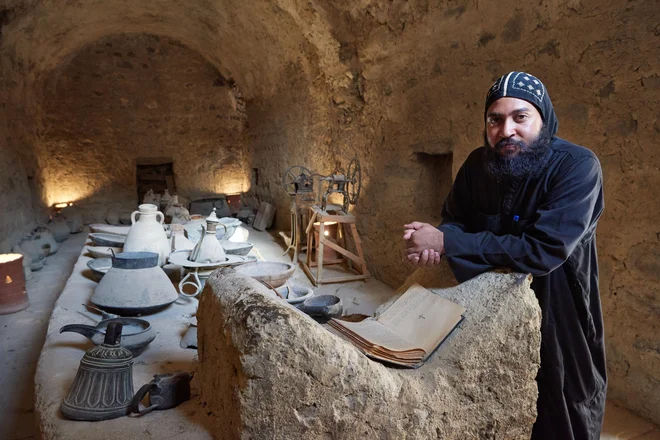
<point x="546" y="226"/>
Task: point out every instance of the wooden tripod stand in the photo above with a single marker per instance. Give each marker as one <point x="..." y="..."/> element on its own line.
<point x="347" y="231"/>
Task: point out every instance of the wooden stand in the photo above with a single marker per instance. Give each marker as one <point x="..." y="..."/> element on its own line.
<point x="346" y="229"/>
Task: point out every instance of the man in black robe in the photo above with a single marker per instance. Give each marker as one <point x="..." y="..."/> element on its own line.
<point x="530" y="201"/>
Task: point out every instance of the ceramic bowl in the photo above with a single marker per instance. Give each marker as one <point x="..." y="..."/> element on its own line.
<point x="233" y="248"/>
<point x="273" y="273"/>
<point x="99" y="267"/>
<point x="231" y="224"/>
<point x="327" y="306"/>
<point x="103" y="251"/>
<point x="294" y="294"/>
<point x="100" y="239"/>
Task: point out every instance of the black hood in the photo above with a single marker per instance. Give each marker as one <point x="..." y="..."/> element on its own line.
<point x="524" y="86"/>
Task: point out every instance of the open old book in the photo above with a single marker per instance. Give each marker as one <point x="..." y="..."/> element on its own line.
<point x="408" y="332"/>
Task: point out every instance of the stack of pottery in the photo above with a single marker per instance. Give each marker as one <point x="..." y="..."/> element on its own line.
<point x="165" y="200"/>
<point x="147" y="233"/>
<point x="177" y="213"/>
<point x="149" y="197"/>
<point x="229" y="224"/>
<point x="134" y="285"/>
<point x="59" y="227"/>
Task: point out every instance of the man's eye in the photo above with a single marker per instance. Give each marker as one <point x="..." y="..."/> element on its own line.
<point x="521" y="117"/>
<point x="493" y="121"/>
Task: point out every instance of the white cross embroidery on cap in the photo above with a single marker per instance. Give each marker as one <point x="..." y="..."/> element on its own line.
<point x="528" y="84"/>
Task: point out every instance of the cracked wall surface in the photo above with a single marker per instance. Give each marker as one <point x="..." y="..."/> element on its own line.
<point x="390" y="82"/>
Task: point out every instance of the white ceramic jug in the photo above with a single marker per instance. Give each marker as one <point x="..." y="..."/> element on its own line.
<point x="147" y="233"/>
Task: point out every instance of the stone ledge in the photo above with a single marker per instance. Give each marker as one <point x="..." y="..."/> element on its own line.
<point x="60" y="358"/>
<point x="269" y="371"/>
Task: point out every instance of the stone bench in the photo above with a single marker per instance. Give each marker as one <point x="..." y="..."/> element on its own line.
<point x="270" y="372"/>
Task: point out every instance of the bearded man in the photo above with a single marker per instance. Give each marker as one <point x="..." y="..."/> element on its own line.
<point x="530" y="201"/>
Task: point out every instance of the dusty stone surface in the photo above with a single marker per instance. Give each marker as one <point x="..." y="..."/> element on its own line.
<point x="60" y="359"/>
<point x="400" y="83"/>
<point x="269" y="371"/>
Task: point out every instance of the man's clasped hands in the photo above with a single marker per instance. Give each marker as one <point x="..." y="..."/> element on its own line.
<point x="425" y="244"/>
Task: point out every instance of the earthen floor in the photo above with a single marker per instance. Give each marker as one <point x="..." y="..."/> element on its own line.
<point x="22" y="335"/>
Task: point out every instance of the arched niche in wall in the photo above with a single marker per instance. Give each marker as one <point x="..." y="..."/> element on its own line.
<point x="129" y="99"/>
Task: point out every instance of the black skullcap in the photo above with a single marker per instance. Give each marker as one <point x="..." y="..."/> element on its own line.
<point x="524" y="86"/>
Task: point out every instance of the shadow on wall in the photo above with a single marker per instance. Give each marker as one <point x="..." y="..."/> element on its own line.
<point x="412" y="188"/>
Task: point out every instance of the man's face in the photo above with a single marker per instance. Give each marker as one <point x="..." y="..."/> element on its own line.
<point x="512" y="125"/>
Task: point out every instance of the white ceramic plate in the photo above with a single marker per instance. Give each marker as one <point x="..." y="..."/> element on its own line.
<point x="180" y="258"/>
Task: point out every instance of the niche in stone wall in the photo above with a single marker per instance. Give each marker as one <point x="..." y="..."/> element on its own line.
<point x="156" y="174"/>
<point x="433" y="178"/>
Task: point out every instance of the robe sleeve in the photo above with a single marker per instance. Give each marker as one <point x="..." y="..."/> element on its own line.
<point x="568" y="212"/>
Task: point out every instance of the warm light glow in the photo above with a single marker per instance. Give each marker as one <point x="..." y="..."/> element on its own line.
<point x="8" y="280"/>
<point x="62" y="205"/>
<point x="326" y="233"/>
<point x="6" y="258"/>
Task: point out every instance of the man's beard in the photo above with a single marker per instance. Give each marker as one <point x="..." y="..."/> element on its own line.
<point x="527" y="163"/>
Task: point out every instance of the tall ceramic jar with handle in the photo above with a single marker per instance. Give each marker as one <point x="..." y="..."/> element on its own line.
<point x="147" y="233"/>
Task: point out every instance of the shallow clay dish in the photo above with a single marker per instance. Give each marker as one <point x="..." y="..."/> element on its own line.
<point x="103" y="251"/>
<point x="273" y="273"/>
<point x="234" y="248"/>
<point x="111" y="240"/>
<point x="294" y="294"/>
<point x="99" y="267"/>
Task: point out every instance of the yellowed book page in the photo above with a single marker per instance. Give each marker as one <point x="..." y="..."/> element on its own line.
<point x="377" y="334"/>
<point x="421" y="316"/>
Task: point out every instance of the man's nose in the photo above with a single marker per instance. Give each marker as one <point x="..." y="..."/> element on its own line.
<point x="508" y="129"/>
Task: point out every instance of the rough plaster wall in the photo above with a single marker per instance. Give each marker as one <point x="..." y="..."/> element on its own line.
<point x="16" y="214"/>
<point x="325" y="80"/>
<point x="137" y="96"/>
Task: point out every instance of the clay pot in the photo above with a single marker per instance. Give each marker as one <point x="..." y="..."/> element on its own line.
<point x="46" y="240"/>
<point x="59" y="227"/>
<point x="134" y="285"/>
<point x="147" y="233"/>
<point x="33" y="249"/>
<point x="149" y="197"/>
<point x="125" y="217"/>
<point x="13" y="296"/>
<point x="112" y="218"/>
<point x="74" y="219"/>
<point x="165" y="200"/>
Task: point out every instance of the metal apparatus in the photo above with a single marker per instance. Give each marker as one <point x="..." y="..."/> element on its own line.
<point x="299" y="181"/>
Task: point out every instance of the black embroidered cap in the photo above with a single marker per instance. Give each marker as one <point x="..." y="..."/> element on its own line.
<point x="524" y="86"/>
